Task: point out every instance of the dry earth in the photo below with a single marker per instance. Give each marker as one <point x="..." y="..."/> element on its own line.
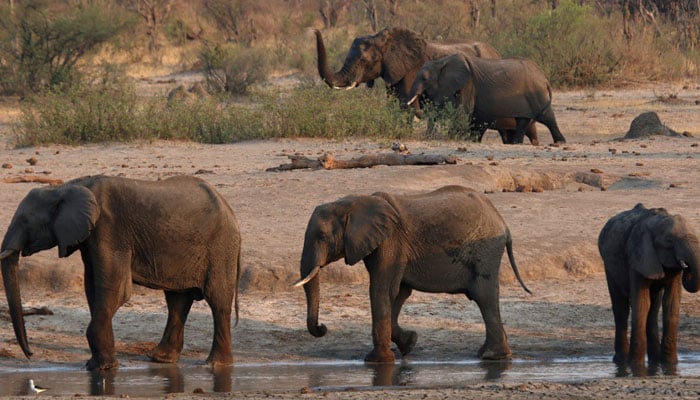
<point x="555" y="200"/>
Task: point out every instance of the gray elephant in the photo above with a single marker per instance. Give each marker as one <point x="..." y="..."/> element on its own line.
<point x="490" y="90"/>
<point x="178" y="235"/>
<point x="648" y="254"/>
<point x="450" y="240"/>
<point x="396" y="55"/>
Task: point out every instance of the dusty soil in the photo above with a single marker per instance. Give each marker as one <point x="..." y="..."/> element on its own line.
<point x="555" y="200"/>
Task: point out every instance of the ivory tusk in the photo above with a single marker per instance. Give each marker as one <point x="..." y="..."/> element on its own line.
<point x="309" y="277"/>
<point x="6" y="253"/>
<point x="351" y="86"/>
<point x="684" y="265"/>
<point x="413" y="100"/>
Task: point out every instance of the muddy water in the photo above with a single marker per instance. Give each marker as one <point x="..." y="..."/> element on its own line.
<point x="159" y="379"/>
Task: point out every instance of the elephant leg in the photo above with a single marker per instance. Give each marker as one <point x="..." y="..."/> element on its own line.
<point x="548" y="119"/>
<point x="486" y="297"/>
<point x="621" y="313"/>
<point x="220" y="304"/>
<point x="531" y="134"/>
<point x="652" y="330"/>
<point x="404" y="339"/>
<point x="381" y="299"/>
<point x="103" y="303"/>
<point x="641" y="303"/>
<point x="671" y="310"/>
<point x="170" y="346"/>
<point x="521" y="125"/>
<point x="506" y="135"/>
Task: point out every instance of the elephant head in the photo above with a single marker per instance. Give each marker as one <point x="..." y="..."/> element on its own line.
<point x="60" y="216"/>
<point x="390" y="54"/>
<point x="352" y="227"/>
<point x="665" y="241"/>
<point x="443" y="80"/>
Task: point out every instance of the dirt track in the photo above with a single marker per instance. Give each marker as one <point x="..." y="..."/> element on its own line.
<point x="567" y="194"/>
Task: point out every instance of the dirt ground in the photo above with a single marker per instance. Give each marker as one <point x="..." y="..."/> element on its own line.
<point x="554" y="199"/>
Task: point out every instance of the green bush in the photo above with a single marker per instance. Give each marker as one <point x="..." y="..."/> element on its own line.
<point x="234" y="68"/>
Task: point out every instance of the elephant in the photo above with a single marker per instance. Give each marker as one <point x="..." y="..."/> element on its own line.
<point x="490" y="90"/>
<point x="648" y="253"/>
<point x="396" y="55"/>
<point x="179" y="235"/>
<point x="450" y="240"/>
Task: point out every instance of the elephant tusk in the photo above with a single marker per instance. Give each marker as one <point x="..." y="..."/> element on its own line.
<point x="6" y="253"/>
<point x="309" y="277"/>
<point x="351" y="86"/>
<point x="684" y="265"/>
<point x="413" y="100"/>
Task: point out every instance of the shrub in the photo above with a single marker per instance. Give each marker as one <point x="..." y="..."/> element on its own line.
<point x="233" y="68"/>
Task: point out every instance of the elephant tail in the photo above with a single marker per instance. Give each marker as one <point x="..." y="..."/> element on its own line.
<point x="511" y="258"/>
<point x="235" y="292"/>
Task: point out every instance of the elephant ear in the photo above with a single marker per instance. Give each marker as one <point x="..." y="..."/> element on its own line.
<point x="642" y="252"/>
<point x="403" y="51"/>
<point x="76" y="216"/>
<point x="371" y="220"/>
<point x="454" y="75"/>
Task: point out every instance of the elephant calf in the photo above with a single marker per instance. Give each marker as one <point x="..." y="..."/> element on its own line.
<point x="648" y="254"/>
<point x="178" y="235"/>
<point x="447" y="241"/>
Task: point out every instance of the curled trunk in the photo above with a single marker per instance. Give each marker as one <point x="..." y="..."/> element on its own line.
<point x="331" y="78"/>
<point x="312" y="289"/>
<point x="10" y="277"/>
<point x="690" y="259"/>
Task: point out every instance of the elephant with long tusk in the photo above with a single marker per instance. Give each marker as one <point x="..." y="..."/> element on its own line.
<point x="450" y="240"/>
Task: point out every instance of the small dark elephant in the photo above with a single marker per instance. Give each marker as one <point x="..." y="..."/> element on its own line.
<point x="447" y="241"/>
<point x="178" y="235"/>
<point x="490" y="90"/>
<point x="648" y="254"/>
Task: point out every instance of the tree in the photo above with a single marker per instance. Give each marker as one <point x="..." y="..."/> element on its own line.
<point x="153" y="13"/>
<point x="41" y="42"/>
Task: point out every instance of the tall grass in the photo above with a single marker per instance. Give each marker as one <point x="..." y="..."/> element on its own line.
<point x="113" y="112"/>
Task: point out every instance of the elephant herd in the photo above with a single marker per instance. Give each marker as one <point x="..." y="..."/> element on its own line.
<point x="180" y="235"/>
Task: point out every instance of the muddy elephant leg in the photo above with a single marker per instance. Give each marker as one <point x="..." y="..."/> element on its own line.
<point x="547" y="118"/>
<point x="404" y="339"/>
<point x="220" y="304"/>
<point x="381" y="299"/>
<point x="496" y="345"/>
<point x="103" y="304"/>
<point x="621" y="312"/>
<point x="521" y="125"/>
<point x="531" y="134"/>
<point x="640" y="304"/>
<point x="170" y="346"/>
<point x="671" y="310"/>
<point x="652" y="330"/>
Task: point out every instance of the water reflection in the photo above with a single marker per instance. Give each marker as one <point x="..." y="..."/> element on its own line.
<point x="150" y="379"/>
<point x="654" y="369"/>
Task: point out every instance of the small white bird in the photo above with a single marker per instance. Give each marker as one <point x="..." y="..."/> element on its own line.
<point x="35" y="389"/>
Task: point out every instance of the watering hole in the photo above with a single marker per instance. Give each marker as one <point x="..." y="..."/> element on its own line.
<point x="160" y="379"/>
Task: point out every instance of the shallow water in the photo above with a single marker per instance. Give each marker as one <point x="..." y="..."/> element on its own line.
<point x="159" y="379"/>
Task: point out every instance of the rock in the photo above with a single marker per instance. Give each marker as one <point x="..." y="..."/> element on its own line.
<point x="648" y="124"/>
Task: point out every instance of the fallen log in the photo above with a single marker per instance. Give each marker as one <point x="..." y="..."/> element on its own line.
<point x="327" y="161"/>
<point x="32" y="179"/>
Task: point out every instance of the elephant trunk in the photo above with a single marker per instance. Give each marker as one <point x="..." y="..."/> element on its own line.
<point x="691" y="277"/>
<point x="10" y="277"/>
<point x="313" y="294"/>
<point x="332" y="79"/>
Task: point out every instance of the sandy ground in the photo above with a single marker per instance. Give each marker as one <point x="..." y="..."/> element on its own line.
<point x="567" y="194"/>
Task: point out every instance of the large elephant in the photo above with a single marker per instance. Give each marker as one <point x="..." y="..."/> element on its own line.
<point x="490" y="90"/>
<point x="450" y="240"/>
<point x="396" y="55"/>
<point x="177" y="234"/>
<point x="648" y="254"/>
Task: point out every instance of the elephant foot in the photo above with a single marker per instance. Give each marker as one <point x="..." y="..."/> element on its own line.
<point x="95" y="364"/>
<point x="163" y="356"/>
<point x="620" y="358"/>
<point x="376" y="356"/>
<point x="407" y="342"/>
<point x="218" y="360"/>
<point x="486" y="353"/>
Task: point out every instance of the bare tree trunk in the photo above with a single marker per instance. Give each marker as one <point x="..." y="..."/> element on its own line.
<point x="475" y="12"/>
<point x="153" y="12"/>
<point x="493" y="9"/>
<point x="392" y="6"/>
<point x="371" y="14"/>
<point x="626" y="21"/>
